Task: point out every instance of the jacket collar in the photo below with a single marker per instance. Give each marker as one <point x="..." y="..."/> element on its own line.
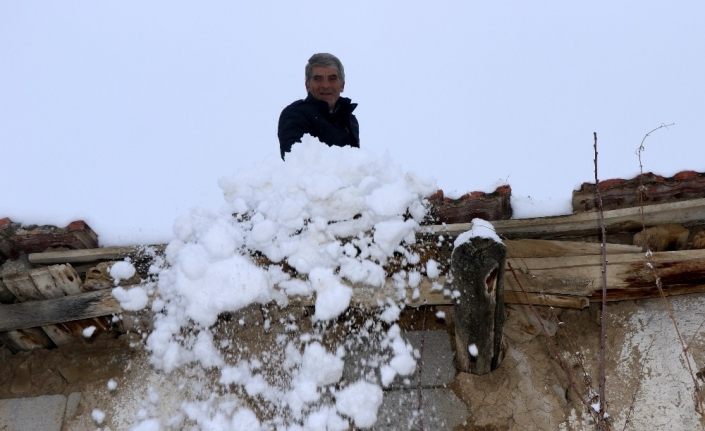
<point x="343" y="103"/>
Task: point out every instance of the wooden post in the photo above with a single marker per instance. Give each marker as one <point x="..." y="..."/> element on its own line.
<point x="477" y="268"/>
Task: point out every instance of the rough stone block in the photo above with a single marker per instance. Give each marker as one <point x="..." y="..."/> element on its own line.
<point x="44" y="413"/>
<point x="436" y="365"/>
<point x="72" y="402"/>
<point x="427" y="409"/>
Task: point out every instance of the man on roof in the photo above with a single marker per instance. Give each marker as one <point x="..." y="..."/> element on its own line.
<point x="323" y="113"/>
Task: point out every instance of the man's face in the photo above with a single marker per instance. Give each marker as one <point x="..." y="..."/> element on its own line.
<point x="325" y="84"/>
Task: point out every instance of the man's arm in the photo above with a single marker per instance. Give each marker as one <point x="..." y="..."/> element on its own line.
<point x="355" y="130"/>
<point x="292" y="126"/>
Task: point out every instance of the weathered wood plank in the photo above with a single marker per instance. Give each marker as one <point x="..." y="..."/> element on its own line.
<point x="22" y="286"/>
<point x="523" y="248"/>
<point x="586" y="223"/>
<point x="580" y="275"/>
<point x="101" y="303"/>
<point x="648" y="292"/>
<point x="46" y="283"/>
<point x="571" y="262"/>
<point x="98" y="303"/>
<point x="54" y="282"/>
<point x="66" y="308"/>
<point x="528" y="248"/>
<point x="86" y="255"/>
<point x="556" y="273"/>
<point x="66" y="278"/>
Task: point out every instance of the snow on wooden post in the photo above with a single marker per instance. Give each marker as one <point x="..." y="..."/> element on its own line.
<point x="477" y="268"/>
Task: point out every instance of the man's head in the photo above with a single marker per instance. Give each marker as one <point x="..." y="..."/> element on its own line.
<point x="325" y="78"/>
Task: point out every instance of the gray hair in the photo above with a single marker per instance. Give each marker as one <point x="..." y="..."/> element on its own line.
<point x="324" y="59"/>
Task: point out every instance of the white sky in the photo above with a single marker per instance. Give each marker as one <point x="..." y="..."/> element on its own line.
<point x="126" y="113"/>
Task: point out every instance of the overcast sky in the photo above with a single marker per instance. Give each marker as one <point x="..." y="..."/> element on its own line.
<point x="126" y="113"/>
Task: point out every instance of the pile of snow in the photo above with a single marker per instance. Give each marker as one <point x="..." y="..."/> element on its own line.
<point x="334" y="215"/>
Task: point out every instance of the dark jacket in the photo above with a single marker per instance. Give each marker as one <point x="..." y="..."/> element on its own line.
<point x="312" y="116"/>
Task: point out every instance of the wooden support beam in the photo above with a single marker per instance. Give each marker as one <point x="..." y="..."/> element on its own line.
<point x="33" y="288"/>
<point x="540" y="248"/>
<point x="582" y="224"/>
<point x="92" y="254"/>
<point x="554" y="273"/>
<point x="568" y="281"/>
<point x="84" y="305"/>
<point x="627" y="274"/>
<point x="478" y="272"/>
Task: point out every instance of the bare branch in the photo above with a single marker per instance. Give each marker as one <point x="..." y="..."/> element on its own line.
<point x="603" y="309"/>
<point x="651" y="266"/>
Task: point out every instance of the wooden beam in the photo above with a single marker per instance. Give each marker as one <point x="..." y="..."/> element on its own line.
<point x="58" y="310"/>
<point x="614" y="295"/>
<point x="515" y="248"/>
<point x="580" y="275"/>
<point x="586" y="223"/>
<point x="33" y="288"/>
<point x="541" y="227"/>
<point x="525" y="248"/>
<point x="99" y="303"/>
<point x="89" y="255"/>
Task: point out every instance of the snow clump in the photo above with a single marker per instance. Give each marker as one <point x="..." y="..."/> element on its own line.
<point x="478" y="228"/>
<point x="88" y="331"/>
<point x="122" y="270"/>
<point x="132" y="299"/>
<point x="360" y="401"/>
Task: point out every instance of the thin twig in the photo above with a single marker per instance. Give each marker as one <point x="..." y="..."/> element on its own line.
<point x="641" y="145"/>
<point x="651" y="266"/>
<point x="603" y="310"/>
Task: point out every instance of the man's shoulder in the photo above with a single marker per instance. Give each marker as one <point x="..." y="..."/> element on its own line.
<point x="293" y="105"/>
<point x="300" y="106"/>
